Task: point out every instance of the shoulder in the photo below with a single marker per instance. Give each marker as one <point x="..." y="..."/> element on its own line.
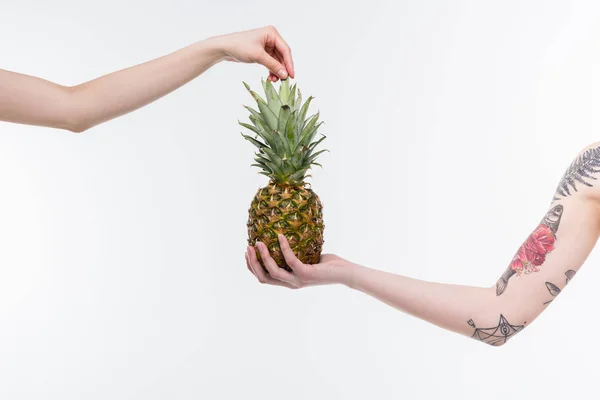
<point x="582" y="176"/>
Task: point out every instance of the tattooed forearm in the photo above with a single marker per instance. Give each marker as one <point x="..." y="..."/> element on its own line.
<point x="580" y="171"/>
<point x="555" y="290"/>
<point x="532" y="252"/>
<point x="498" y="334"/>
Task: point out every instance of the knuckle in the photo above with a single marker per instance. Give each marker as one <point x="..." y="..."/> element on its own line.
<point x="276" y="273"/>
<point x="305" y="273"/>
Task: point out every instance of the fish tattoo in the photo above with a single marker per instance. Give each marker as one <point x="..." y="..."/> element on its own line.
<point x="532" y="253"/>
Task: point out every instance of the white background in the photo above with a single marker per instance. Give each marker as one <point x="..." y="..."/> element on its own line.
<point x="449" y="124"/>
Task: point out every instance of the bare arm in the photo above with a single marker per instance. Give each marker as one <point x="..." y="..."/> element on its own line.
<point x="29" y="100"/>
<point x="539" y="270"/>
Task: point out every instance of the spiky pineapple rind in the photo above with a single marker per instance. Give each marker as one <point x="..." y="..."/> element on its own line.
<point x="295" y="212"/>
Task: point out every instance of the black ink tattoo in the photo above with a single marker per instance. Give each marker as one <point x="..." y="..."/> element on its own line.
<point x="497" y="335"/>
<point x="555" y="290"/>
<point x="580" y="170"/>
<point x="503" y="281"/>
<point x="570" y="274"/>
<point x="552" y="288"/>
<point x="552" y="218"/>
<point x="525" y="256"/>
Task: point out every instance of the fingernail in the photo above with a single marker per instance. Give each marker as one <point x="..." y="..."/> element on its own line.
<point x="259" y="245"/>
<point x="280" y="236"/>
<point x="282" y="73"/>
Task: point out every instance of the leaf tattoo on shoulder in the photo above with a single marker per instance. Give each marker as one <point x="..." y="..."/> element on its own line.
<point x="580" y="171"/>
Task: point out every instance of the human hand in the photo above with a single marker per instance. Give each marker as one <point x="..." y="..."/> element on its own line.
<point x="330" y="269"/>
<point x="263" y="46"/>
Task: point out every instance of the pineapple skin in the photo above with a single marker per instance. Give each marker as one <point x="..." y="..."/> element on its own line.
<point x="294" y="211"/>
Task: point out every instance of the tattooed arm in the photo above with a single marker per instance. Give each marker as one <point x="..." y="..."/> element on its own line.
<point x="539" y="270"/>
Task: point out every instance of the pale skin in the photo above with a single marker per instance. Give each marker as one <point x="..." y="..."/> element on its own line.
<point x="458" y="308"/>
<point x="33" y="101"/>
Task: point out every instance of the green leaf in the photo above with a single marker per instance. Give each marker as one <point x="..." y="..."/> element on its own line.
<point x="264" y="84"/>
<point x="265" y="173"/>
<point x="298" y="102"/>
<point x="315" y="144"/>
<point x="316" y="163"/>
<point x="303" y="111"/>
<point x="265" y="132"/>
<point x="256" y="96"/>
<point x="272" y="97"/>
<point x="311" y="135"/>
<point x="272" y="156"/>
<point x="261" y="166"/>
<point x="288" y="168"/>
<point x="248" y="126"/>
<point x="261" y="160"/>
<point x="292" y="97"/>
<point x="255" y="142"/>
<point x="284" y="115"/>
<point x="298" y="175"/>
<point x="285" y="145"/>
<point x="290" y="131"/>
<point x="307" y="129"/>
<point x="254" y="114"/>
<point x="260" y="124"/>
<point x="275" y="168"/>
<point x="297" y="157"/>
<point x="314" y="156"/>
<point x="284" y="90"/>
<point x="268" y="115"/>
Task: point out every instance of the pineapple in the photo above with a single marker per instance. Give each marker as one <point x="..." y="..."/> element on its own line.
<point x="286" y="144"/>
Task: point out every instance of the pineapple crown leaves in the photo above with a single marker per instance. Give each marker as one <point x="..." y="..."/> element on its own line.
<point x="284" y="136"/>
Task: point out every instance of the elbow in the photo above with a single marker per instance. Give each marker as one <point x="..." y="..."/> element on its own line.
<point x="496" y="342"/>
<point x="506" y="328"/>
<point x="76" y="125"/>
<point x="73" y="117"/>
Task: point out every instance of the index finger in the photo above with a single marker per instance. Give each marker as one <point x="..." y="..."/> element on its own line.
<point x="290" y="258"/>
<point x="283" y="48"/>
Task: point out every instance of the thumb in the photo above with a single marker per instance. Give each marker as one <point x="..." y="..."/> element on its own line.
<point x="273" y="65"/>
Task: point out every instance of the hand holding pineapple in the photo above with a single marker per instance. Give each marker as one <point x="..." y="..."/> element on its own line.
<point x="330" y="269"/>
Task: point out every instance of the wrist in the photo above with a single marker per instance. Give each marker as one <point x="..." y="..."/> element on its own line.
<point x="212" y="49"/>
<point x="346" y="274"/>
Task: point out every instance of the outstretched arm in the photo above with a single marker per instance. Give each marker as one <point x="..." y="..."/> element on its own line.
<point x="539" y="270"/>
<point x="29" y="100"/>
